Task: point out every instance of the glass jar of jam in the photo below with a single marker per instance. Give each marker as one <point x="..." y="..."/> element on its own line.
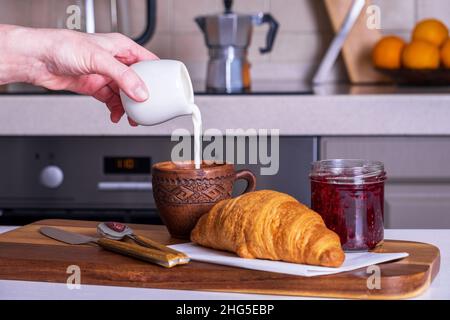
<point x="349" y="195"/>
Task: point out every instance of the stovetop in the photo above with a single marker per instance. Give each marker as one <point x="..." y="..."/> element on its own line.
<point x="303" y="88"/>
<point x="286" y="87"/>
<point x="263" y="88"/>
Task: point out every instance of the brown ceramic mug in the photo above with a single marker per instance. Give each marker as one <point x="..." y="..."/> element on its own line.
<point x="183" y="194"/>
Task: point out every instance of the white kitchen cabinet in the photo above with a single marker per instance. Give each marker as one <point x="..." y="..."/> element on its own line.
<point x="418" y="187"/>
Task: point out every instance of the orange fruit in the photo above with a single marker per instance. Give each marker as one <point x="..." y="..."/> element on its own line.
<point x="445" y="54"/>
<point x="387" y="52"/>
<point x="432" y="31"/>
<point x="421" y="55"/>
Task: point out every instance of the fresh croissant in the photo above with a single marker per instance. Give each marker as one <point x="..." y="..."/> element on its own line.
<point x="269" y="225"/>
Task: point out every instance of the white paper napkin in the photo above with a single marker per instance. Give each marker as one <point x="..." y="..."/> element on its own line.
<point x="352" y="261"/>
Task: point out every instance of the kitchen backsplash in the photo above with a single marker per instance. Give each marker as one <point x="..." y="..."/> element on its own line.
<point x="304" y="33"/>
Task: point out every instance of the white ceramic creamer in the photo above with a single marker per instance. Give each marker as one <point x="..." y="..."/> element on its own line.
<point x="170" y="96"/>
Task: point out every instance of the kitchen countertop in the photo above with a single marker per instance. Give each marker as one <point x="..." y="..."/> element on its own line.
<point x="439" y="289"/>
<point x="356" y="111"/>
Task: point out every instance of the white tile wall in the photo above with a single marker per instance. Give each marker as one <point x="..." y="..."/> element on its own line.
<point x="397" y="15"/>
<point x="258" y="41"/>
<point x="184" y="12"/>
<point x="434" y="8"/>
<point x="301" y="15"/>
<point x="189" y="47"/>
<point x="161" y="45"/>
<point x="164" y="16"/>
<point x="304" y="33"/>
<point x="299" y="47"/>
<point x="250" y="6"/>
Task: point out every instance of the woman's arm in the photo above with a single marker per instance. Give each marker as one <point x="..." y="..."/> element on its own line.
<point x="92" y="64"/>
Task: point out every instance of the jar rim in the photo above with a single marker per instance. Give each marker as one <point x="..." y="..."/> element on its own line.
<point x="352" y="171"/>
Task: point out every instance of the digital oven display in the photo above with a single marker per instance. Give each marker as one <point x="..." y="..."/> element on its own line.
<point x="126" y="165"/>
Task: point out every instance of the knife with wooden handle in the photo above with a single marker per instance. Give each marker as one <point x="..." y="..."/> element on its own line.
<point x="183" y="258"/>
<point x="139" y="252"/>
<point x="158" y="257"/>
<point x="120" y="231"/>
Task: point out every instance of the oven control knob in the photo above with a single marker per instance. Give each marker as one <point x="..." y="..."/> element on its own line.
<point x="51" y="177"/>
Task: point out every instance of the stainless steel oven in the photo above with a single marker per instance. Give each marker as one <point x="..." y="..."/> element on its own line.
<point x="109" y="177"/>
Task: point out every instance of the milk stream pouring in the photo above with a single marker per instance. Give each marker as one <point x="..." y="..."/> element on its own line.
<point x="197" y="121"/>
<point x="171" y="96"/>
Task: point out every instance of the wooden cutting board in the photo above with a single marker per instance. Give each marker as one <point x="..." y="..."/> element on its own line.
<point x="25" y="254"/>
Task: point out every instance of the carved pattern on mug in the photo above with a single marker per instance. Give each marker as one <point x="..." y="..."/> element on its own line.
<point x="192" y="191"/>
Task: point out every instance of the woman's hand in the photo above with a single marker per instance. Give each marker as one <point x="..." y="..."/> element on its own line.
<point x="92" y="64"/>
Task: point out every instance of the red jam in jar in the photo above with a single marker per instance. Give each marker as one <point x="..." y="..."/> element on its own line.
<point x="349" y="195"/>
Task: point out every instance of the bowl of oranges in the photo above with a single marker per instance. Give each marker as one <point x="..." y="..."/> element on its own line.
<point x="425" y="60"/>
